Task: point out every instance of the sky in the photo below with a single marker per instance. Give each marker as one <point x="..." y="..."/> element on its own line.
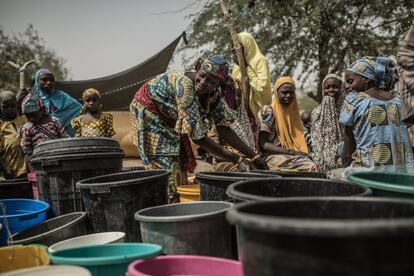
<point x="101" y="37"/>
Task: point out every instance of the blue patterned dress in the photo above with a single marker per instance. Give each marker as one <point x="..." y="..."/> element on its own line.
<point x="158" y="143"/>
<point x="381" y="138"/>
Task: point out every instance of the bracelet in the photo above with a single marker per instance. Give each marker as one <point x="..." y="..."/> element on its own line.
<point x="257" y="156"/>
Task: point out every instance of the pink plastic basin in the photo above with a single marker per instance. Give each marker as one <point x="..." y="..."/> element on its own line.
<point x="185" y="265"/>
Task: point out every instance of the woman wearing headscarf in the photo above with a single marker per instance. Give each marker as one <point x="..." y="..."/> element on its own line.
<point x="325" y="129"/>
<point x="172" y="108"/>
<point x="374" y="134"/>
<point x="281" y="137"/>
<point x="57" y="103"/>
<point x="257" y="70"/>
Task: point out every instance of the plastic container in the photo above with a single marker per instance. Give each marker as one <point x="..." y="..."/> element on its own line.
<point x="16" y="188"/>
<point x="108" y="259"/>
<point x="325" y="236"/>
<point x="185" y="265"/>
<point x="92" y="239"/>
<point x="189" y="193"/>
<point x="61" y="270"/>
<point x="270" y="189"/>
<point x="111" y="200"/>
<point x="21" y="214"/>
<point x="386" y="184"/>
<point x="66" y="161"/>
<point x="54" y="230"/>
<point x="292" y="173"/>
<point x="192" y="228"/>
<point x="213" y="185"/>
<point x="20" y="257"/>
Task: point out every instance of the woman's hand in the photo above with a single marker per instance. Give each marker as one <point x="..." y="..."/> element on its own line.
<point x="260" y="163"/>
<point x="243" y="165"/>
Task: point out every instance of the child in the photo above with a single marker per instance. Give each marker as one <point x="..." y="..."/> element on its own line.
<point x="41" y="126"/>
<point x="12" y="162"/>
<point x="92" y="122"/>
<point x="374" y="134"/>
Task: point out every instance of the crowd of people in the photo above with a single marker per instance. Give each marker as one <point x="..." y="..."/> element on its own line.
<point x="361" y="121"/>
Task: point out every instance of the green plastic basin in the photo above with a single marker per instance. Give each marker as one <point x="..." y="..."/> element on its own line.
<point x="106" y="259"/>
<point x="386" y="184"/>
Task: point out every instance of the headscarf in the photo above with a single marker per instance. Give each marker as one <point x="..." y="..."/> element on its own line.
<point x="257" y="72"/>
<point x="325" y="129"/>
<point x="87" y="92"/>
<point x="216" y="65"/>
<point x="381" y="70"/>
<point x="31" y="103"/>
<point x="288" y="123"/>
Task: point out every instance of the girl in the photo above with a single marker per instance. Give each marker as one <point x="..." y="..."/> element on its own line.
<point x="326" y="131"/>
<point x="374" y="133"/>
<point x="281" y="136"/>
<point x="12" y="161"/>
<point x="41" y="126"/>
<point x="92" y="122"/>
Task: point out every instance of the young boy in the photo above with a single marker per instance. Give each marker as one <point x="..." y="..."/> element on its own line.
<point x="12" y="162"/>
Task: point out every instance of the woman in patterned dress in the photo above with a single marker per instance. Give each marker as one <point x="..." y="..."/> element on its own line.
<point x="374" y="134"/>
<point x="92" y="122"/>
<point x="172" y="108"/>
<point x="325" y="128"/>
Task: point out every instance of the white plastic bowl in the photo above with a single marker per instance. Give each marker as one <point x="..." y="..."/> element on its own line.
<point x="61" y="270"/>
<point x="92" y="239"/>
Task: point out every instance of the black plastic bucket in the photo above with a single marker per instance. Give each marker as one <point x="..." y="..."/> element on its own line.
<point x="54" y="230"/>
<point x="270" y="189"/>
<point x="213" y="185"/>
<point x="63" y="162"/>
<point x="292" y="173"/>
<point x="325" y="236"/>
<point x="16" y="188"/>
<point x="192" y="228"/>
<point x="111" y="200"/>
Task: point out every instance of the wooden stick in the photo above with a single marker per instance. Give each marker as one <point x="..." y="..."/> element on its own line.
<point x="239" y="51"/>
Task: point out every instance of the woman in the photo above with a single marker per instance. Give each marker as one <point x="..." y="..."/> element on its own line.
<point x="374" y="134"/>
<point x="57" y="103"/>
<point x="257" y="70"/>
<point x="325" y="129"/>
<point x="173" y="107"/>
<point x="281" y="136"/>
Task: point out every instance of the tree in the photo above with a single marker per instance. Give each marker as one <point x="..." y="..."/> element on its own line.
<point x="308" y="37"/>
<point x="21" y="48"/>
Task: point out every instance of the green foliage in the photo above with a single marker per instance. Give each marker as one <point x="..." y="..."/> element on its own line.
<point x="317" y="36"/>
<point x="24" y="47"/>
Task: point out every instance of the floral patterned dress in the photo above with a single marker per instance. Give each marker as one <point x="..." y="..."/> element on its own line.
<point x="103" y="127"/>
<point x="158" y="142"/>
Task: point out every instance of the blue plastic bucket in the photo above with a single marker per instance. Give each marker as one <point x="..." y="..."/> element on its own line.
<point x="21" y="214"/>
<point x="106" y="259"/>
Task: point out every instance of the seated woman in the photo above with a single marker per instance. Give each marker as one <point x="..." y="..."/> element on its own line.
<point x="374" y="134"/>
<point x="325" y="128"/>
<point x="172" y="108"/>
<point x="281" y="138"/>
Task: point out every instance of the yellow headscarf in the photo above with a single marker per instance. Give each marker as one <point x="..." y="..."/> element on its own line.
<point x="87" y="92"/>
<point x="288" y="123"/>
<point x="257" y="72"/>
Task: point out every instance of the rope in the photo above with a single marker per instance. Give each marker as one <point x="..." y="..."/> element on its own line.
<point x="6" y="223"/>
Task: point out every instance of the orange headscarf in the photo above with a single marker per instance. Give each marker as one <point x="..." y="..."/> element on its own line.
<point x="288" y="123"/>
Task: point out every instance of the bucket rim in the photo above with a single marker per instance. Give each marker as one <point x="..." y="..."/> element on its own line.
<point x="49" y="269"/>
<point x="321" y="227"/>
<point x="83" y="185"/>
<point x="45" y="207"/>
<point x="183" y="218"/>
<point x="88" y="155"/>
<point x="241" y="196"/>
<point x="107" y="260"/>
<point x="318" y="175"/>
<point x="213" y="177"/>
<point x="82" y="216"/>
<point x="52" y="249"/>
<point x="406" y="189"/>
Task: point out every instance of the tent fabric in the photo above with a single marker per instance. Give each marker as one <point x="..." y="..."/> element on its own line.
<point x="118" y="89"/>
